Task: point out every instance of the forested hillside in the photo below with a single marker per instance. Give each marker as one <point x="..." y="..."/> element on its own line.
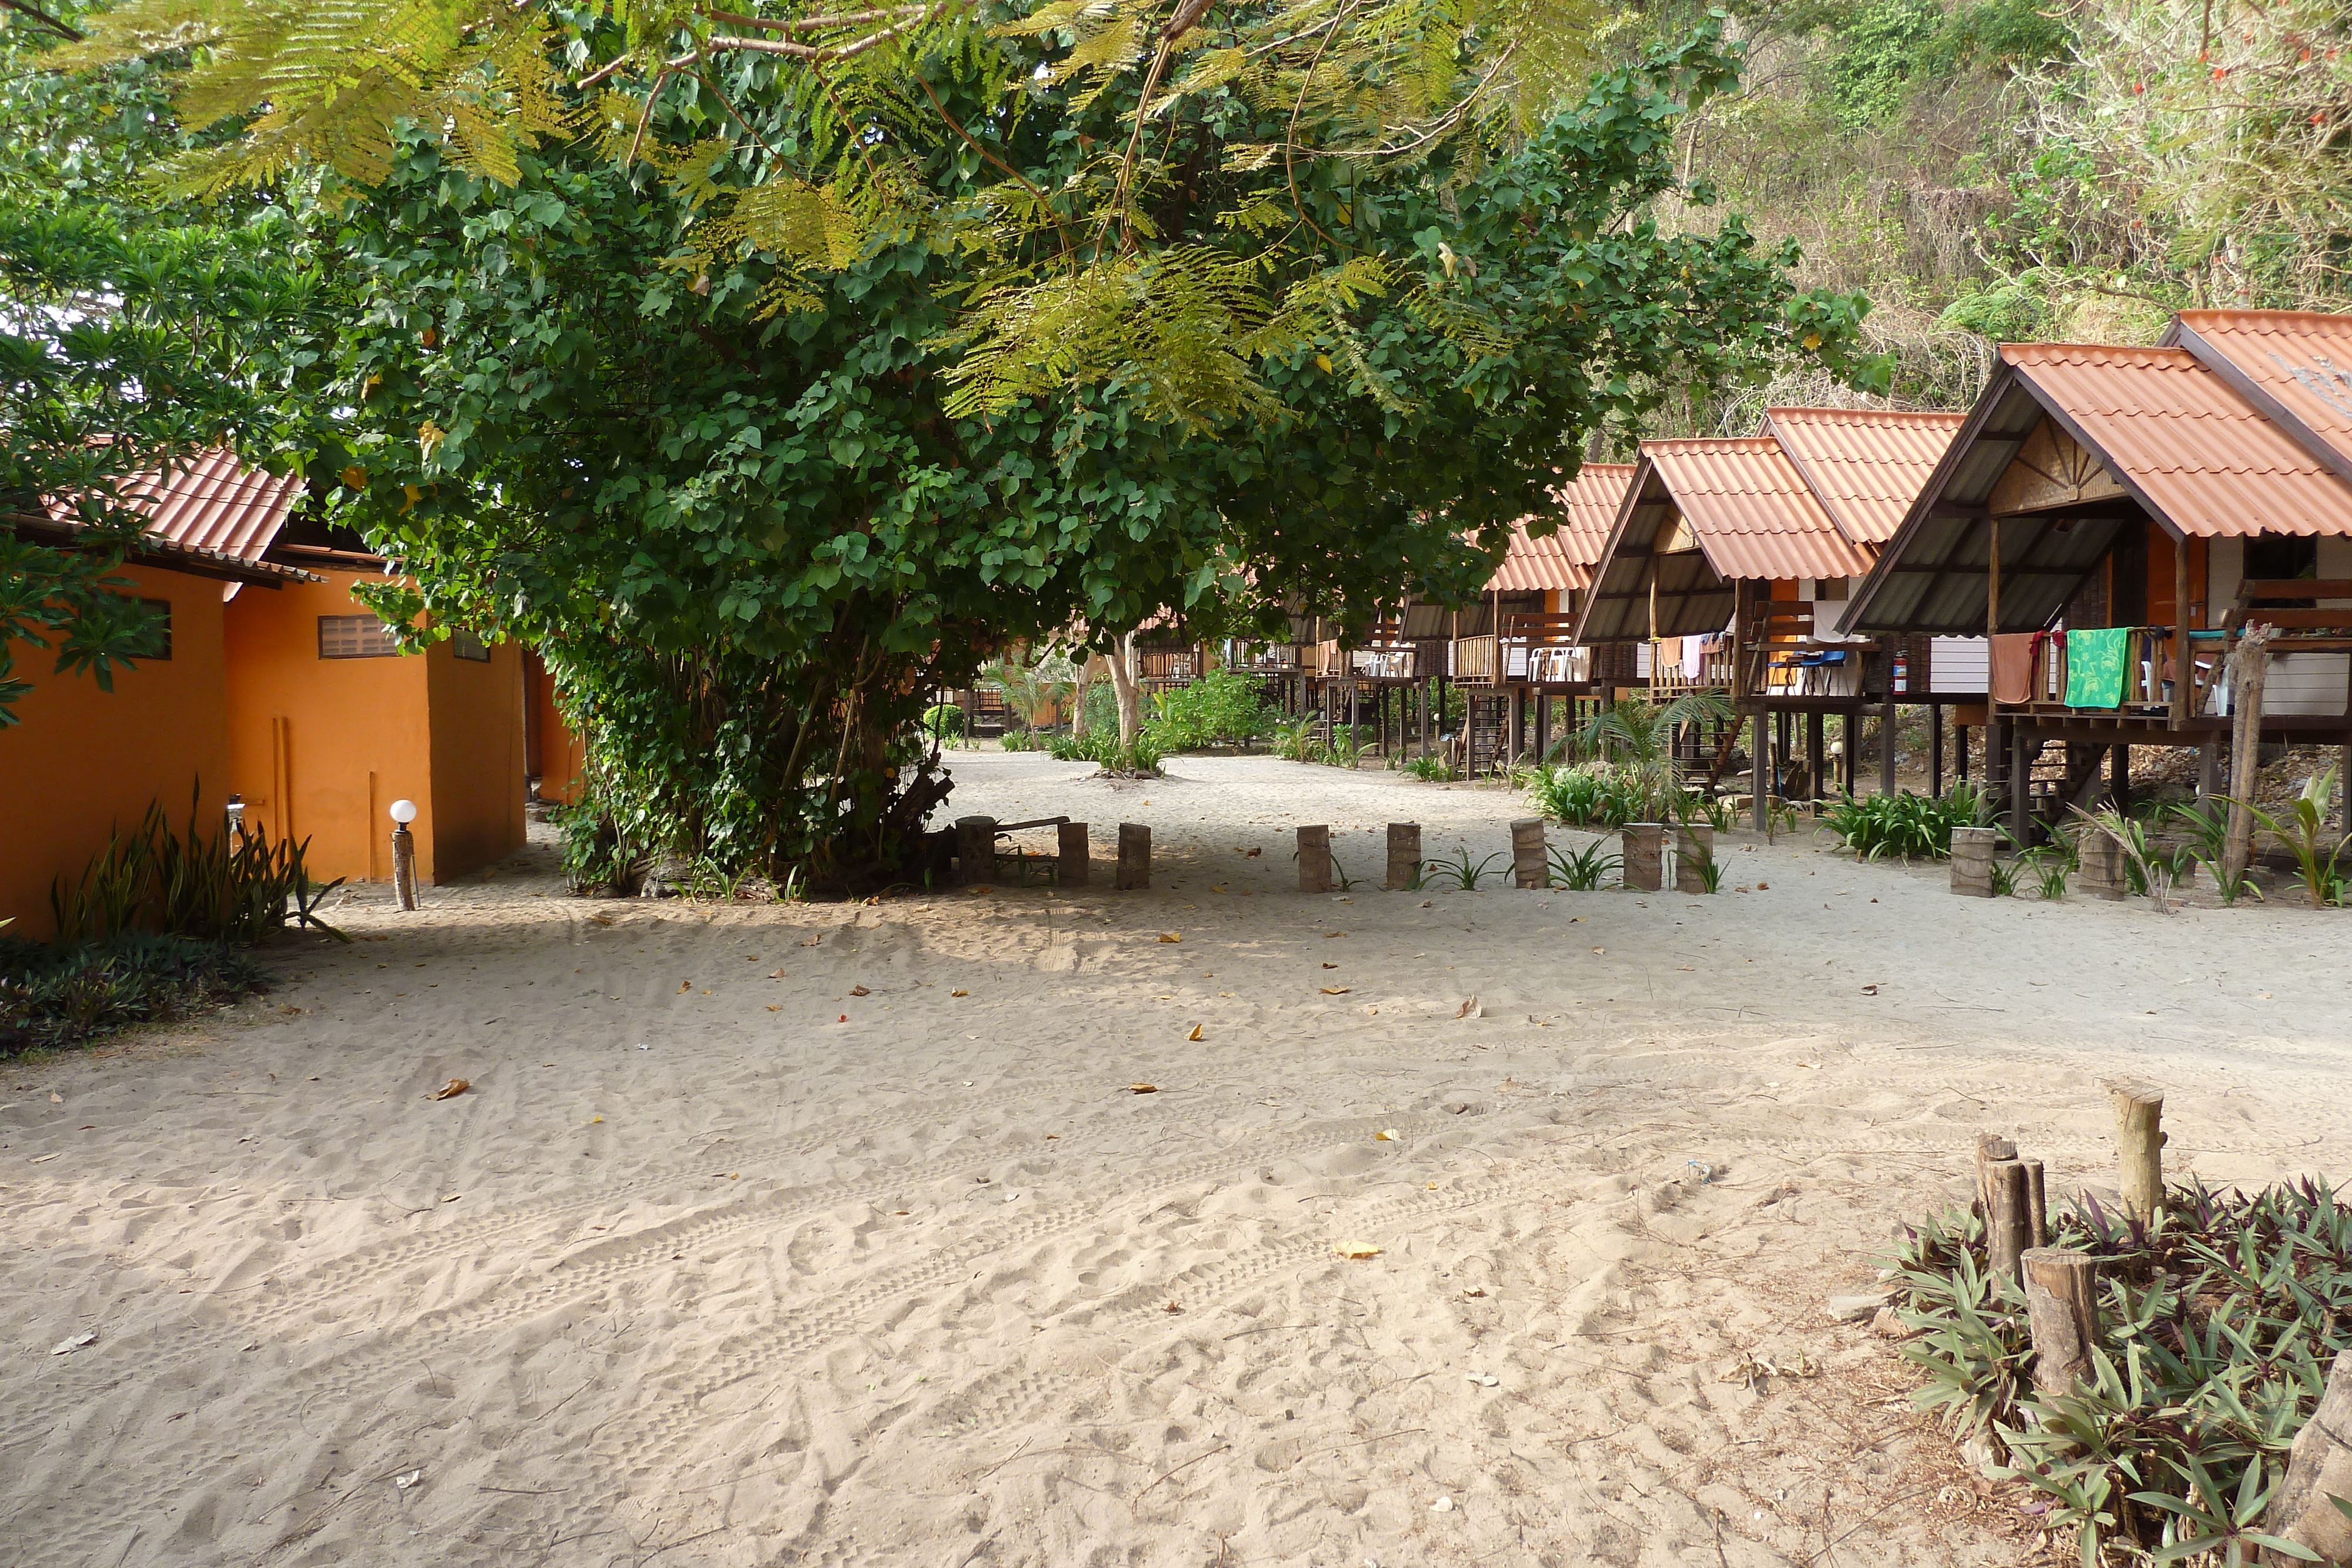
<point x="1999" y="169"/>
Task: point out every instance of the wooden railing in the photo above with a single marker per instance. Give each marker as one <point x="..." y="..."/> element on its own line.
<point x="1264" y="658"/>
<point x="1669" y="678"/>
<point x="2306" y="675"/>
<point x="1472" y="662"/>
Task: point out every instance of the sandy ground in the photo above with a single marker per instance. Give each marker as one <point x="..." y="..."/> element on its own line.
<point x="834" y="1234"/>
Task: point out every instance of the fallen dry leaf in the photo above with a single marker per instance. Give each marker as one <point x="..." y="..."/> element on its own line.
<point x="1330" y="966"/>
<point x="451" y="1090"/>
<point x="1253" y="855"/>
<point x="809" y="942"/>
<point x="776" y="974"/>
<point x="859" y="991"/>
<point x="1870" y="990"/>
<point x="600" y="920"/>
<point x="1472" y="1291"/>
<point x="1335" y="990"/>
<point x="1385" y="1135"/>
<point x="1143" y="1089"/>
<point x="1603" y="951"/>
<point x="1471" y="1009"/>
<point x="56" y="1098"/>
<point x="1763" y="887"/>
<point x="592" y="1122"/>
<point x="958" y="993"/>
<point x="1171" y="937"/>
<point x="775" y="1007"/>
<point x="1328" y="934"/>
<point x="1195" y="1034"/>
<point x="684" y="986"/>
<point x="1358" y="1249"/>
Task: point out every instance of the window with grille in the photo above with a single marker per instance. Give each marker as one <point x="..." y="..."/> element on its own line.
<point x="465" y="645"/>
<point x="354" y="637"/>
<point x="158" y="637"/>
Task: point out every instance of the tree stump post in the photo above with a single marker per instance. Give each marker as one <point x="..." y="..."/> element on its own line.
<point x="1694" y="852"/>
<point x="2102" y="874"/>
<point x="1645" y="845"/>
<point x="1529" y="866"/>
<point x="1134" y="857"/>
<point x="2062" y="1303"/>
<point x="2037" y="1205"/>
<point x="1404" y="855"/>
<point x="1315" y="860"/>
<point x="2009" y="1229"/>
<point x="404" y="866"/>
<point x="975" y="850"/>
<point x="2139" y="1140"/>
<point x="1972" y="861"/>
<point x="1076" y="859"/>
<point x="2318" y="1468"/>
<point x="1992" y="1148"/>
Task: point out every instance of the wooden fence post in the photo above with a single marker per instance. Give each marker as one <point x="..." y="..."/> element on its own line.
<point x="1404" y="855"/>
<point x="1530" y="866"/>
<point x="1992" y="1148"/>
<point x="2009" y="1228"/>
<point x="1315" y="860"/>
<point x="2139" y="1138"/>
<point x="1077" y="867"/>
<point x="975" y="850"/>
<point x="2318" y="1471"/>
<point x="1694" y="853"/>
<point x="1645" y="845"/>
<point x="1134" y="857"/>
<point x="1972" y="861"/>
<point x="2061" y="1301"/>
<point x="2102" y="865"/>
<point x="2250" y="662"/>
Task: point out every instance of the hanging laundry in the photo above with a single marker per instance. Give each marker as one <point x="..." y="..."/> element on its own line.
<point x="2096" y="658"/>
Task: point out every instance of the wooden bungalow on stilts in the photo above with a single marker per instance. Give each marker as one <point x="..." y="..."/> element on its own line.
<point x="2114" y="518"/>
<point x="1729" y="565"/>
<point x="1515" y="654"/>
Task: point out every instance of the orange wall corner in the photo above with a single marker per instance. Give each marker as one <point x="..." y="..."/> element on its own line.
<point x="83" y="763"/>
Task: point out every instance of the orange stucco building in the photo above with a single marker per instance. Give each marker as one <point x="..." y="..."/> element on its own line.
<point x="283" y="690"/>
<point x="83" y="763"/>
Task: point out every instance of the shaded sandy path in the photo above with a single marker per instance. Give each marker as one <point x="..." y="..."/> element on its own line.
<point x="702" y="1330"/>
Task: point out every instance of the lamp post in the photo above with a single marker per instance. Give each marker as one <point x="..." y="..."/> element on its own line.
<point x="403" y="852"/>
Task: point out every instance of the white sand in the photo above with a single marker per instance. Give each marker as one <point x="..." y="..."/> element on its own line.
<point x="930" y="1286"/>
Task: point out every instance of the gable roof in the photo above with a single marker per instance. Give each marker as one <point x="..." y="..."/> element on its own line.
<point x="212" y="517"/>
<point x="1863" y="464"/>
<point x="1749" y="509"/>
<point x="2110" y="433"/>
<point x="2295" y="366"/>
<point x="1562" y="563"/>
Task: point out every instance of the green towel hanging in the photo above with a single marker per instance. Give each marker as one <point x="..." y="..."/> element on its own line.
<point x="2095" y="667"/>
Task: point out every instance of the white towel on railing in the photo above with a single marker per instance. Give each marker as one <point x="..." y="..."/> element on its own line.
<point x="1694" y="658"/>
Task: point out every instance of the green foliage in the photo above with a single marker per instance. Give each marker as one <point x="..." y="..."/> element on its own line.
<point x="63" y="994"/>
<point x="2217" y="1326"/>
<point x="217" y="887"/>
<point x="1220" y="708"/>
<point x="1597" y="795"/>
<point x="2004" y="878"/>
<point x="1583" y="869"/>
<point x="1915" y="827"/>
<point x="1430" y="769"/>
<point x="608" y="848"/>
<point x="2205" y="834"/>
<point x="134" y="333"/>
<point x="1880" y="49"/>
<point x="1460" y="869"/>
<point x="1021" y="740"/>
<point x="2301" y="829"/>
<point x="2147" y="869"/>
<point x="1101" y="746"/>
<point x="943" y="722"/>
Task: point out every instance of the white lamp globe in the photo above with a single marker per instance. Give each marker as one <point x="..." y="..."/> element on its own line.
<point x="404" y="811"/>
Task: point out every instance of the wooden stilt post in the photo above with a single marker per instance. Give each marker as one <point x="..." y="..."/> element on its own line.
<point x="1315" y="858"/>
<point x="2021" y="788"/>
<point x="1134" y="857"/>
<point x="1759" y="766"/>
<point x="2251" y="661"/>
<point x="1936" y="750"/>
<point x="1530" y="867"/>
<point x="2139" y="1138"/>
<point x="1076" y="856"/>
<point x="1886" y="739"/>
<point x="2061" y="1301"/>
<point x="1404" y="855"/>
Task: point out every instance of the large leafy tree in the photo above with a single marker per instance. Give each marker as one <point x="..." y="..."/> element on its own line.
<point x="134" y="331"/>
<point x="760" y="473"/>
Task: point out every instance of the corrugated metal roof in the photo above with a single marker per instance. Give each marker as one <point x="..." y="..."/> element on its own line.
<point x="2293" y="365"/>
<point x="2188" y="445"/>
<point x="1562" y="562"/>
<point x="1750" y="511"/>
<point x="212" y="505"/>
<point x="1865" y="465"/>
<point x="1637" y="592"/>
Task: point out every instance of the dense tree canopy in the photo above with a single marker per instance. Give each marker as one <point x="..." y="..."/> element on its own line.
<point x="754" y="510"/>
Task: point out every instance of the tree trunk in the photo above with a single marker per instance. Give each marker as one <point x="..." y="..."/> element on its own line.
<point x="1096" y="668"/>
<point x="1131" y="697"/>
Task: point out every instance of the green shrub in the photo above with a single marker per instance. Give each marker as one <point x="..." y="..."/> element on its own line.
<point x="604" y="851"/>
<point x="2217" y="1324"/>
<point x="1429" y="770"/>
<point x="1582" y="871"/>
<point x="1600" y="794"/>
<point x="1221" y="707"/>
<point x="225" y="886"/>
<point x="1915" y="827"/>
<point x="943" y="722"/>
<point x="1023" y="740"/>
<point x="63" y="994"/>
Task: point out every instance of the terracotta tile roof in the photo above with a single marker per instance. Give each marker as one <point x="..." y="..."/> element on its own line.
<point x="1563" y="562"/>
<point x="1750" y="512"/>
<point x="2185" y="441"/>
<point x="1864" y="466"/>
<point x="2293" y="365"/>
<point x="217" y="504"/>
